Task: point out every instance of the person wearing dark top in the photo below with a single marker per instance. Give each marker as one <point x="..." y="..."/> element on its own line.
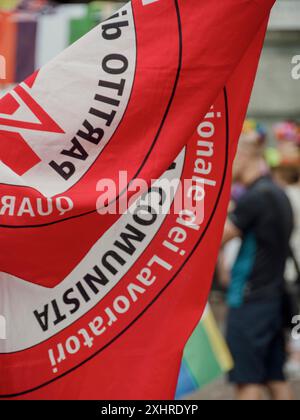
<point x="263" y="219"/>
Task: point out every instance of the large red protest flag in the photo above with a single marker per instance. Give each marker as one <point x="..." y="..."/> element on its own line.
<point x="101" y="305"/>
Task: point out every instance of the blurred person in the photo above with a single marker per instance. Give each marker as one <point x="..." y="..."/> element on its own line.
<point x="263" y="220"/>
<point x="287" y="134"/>
<point x="293" y="277"/>
<point x="287" y="173"/>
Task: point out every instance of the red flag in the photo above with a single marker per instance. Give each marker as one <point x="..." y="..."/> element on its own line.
<point x="100" y="306"/>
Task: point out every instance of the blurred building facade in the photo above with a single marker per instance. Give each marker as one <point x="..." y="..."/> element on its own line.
<point x="276" y="95"/>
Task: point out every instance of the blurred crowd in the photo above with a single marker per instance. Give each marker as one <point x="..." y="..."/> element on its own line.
<point x="37" y="5"/>
<point x="259" y="262"/>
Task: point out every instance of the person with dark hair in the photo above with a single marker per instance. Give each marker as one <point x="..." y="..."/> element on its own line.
<point x="287" y="173"/>
<point x="263" y="220"/>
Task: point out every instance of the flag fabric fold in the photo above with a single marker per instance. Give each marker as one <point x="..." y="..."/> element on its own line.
<point x="100" y="302"/>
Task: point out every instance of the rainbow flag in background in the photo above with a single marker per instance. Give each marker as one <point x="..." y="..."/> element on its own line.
<point x="206" y="357"/>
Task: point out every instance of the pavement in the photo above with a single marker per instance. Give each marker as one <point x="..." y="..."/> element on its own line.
<point x="221" y="391"/>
